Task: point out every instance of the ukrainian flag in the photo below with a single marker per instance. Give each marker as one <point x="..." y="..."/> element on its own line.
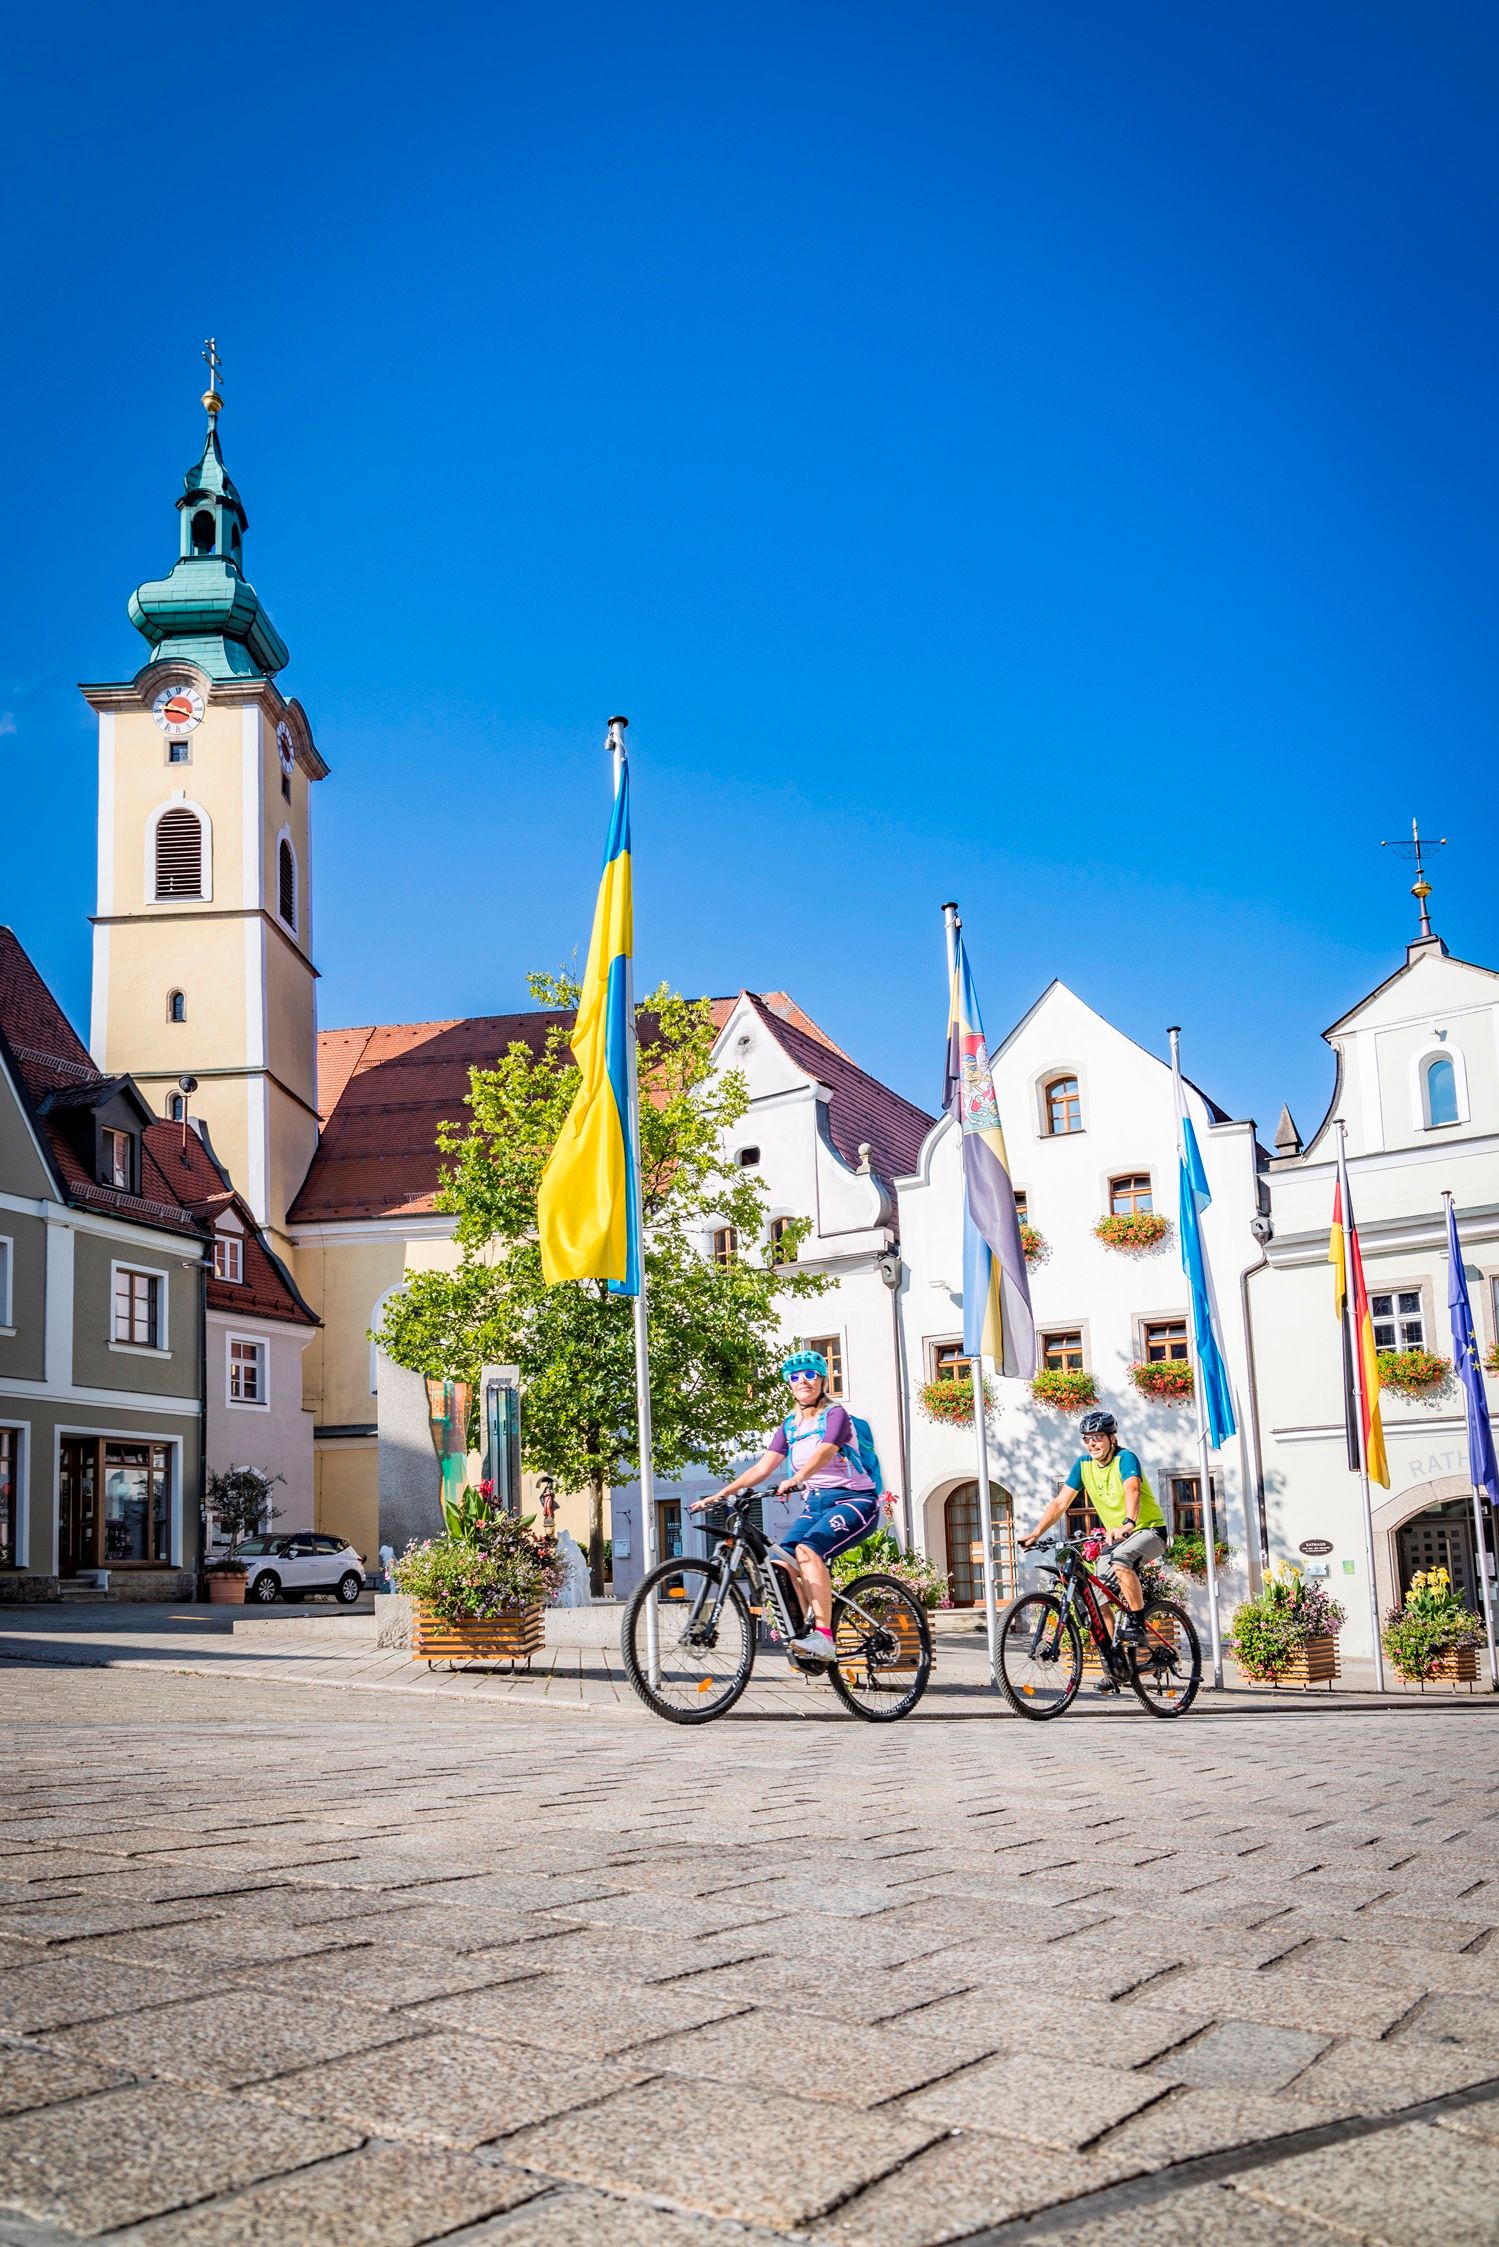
<point x="585" y="1207"/>
<point x="997" y="1318"/>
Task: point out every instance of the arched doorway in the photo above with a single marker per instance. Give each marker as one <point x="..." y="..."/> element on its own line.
<point x="1430" y="1525"/>
<point x="965" y="1545"/>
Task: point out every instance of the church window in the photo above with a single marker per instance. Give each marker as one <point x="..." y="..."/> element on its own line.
<point x="286" y="873"/>
<point x="179" y="853"/>
<point x="1441" y="1091"/>
<point x="1064" y="1108"/>
<point x="177" y="1007"/>
<point x="1398" y="1321"/>
<point x="176" y="1108"/>
<point x="204" y="532"/>
<point x="1130" y="1196"/>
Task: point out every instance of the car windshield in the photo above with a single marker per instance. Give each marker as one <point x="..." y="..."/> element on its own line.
<point x="253" y="1547"/>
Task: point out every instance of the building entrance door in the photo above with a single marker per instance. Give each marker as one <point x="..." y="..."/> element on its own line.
<point x="78" y="1500"/>
<point x="1442" y="1537"/>
<point x="965" y="1545"/>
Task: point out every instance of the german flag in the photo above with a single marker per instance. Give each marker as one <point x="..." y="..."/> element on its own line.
<point x="1360" y="1358"/>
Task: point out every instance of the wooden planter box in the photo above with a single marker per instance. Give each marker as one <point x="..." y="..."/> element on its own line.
<point x="1458" y="1668"/>
<point x="511" y="1638"/>
<point x="226" y="1591"/>
<point x="1318" y="1663"/>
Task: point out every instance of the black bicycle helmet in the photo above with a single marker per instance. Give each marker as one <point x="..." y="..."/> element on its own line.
<point x="1098" y="1424"/>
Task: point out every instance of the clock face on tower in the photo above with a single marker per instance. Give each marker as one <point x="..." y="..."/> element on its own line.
<point x="178" y="708"/>
<point x="284" y="748"/>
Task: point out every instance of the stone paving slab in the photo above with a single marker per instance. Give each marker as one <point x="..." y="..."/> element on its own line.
<point x="31" y="2076"/>
<point x="1042" y="2097"/>
<point x="235" y="2037"/>
<point x="1402" y="2188"/>
<point x="396" y="2195"/>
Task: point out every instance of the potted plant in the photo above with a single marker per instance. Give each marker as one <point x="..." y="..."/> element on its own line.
<point x="1413" y="1373"/>
<point x="1167" y="1380"/>
<point x="479" y="1589"/>
<point x="1065" y="1392"/>
<point x="1190" y="1555"/>
<point x="1432" y="1635"/>
<point x="949" y="1399"/>
<point x="1289" y="1632"/>
<point x="1134" y="1233"/>
<point x="1032" y="1244"/>
<point x="240" y="1501"/>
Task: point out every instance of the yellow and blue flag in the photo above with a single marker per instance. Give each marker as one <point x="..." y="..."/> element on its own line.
<point x="997" y="1317"/>
<point x="585" y="1207"/>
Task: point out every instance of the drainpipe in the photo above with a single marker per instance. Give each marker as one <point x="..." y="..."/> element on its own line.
<point x="891" y="1270"/>
<point x="202" y="1416"/>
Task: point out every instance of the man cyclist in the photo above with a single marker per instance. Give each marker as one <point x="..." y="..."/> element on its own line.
<point x="841" y="1504"/>
<point x="1134" y="1528"/>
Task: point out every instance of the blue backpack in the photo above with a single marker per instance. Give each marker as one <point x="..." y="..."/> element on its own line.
<point x="860" y="1454"/>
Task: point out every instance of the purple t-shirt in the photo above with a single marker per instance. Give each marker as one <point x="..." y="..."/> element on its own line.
<point x="833" y="1426"/>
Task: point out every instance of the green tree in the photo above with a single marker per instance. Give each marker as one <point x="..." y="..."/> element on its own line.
<point x="714" y="1326"/>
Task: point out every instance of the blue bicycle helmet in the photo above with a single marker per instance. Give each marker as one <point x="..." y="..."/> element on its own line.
<point x="805" y="1361"/>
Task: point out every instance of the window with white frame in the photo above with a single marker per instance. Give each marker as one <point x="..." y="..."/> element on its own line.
<point x="1399" y="1323"/>
<point x="228" y="1256"/>
<point x="139" y="1308"/>
<point x="1439" y="1091"/>
<point x="10" y="1456"/>
<point x="115" y="1166"/>
<point x="247" y="1384"/>
<point x="7" y="1263"/>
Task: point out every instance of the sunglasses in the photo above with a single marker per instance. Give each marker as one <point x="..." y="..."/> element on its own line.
<point x="793" y="1378"/>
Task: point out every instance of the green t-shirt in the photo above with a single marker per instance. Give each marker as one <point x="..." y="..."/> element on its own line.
<point x="1102" y="1483"/>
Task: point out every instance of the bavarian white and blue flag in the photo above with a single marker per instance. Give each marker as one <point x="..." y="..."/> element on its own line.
<point x="1207" y="1329"/>
<point x="997" y="1319"/>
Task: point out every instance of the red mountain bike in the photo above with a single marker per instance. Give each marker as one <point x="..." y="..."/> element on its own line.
<point x="1041" y="1647"/>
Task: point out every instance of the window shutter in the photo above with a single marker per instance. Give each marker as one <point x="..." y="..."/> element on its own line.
<point x="179" y="854"/>
<point x="287" y="873"/>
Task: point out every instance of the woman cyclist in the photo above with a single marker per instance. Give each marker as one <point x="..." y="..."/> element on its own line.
<point x="841" y="1504"/>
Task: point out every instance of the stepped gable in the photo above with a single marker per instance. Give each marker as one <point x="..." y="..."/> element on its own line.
<point x="861" y="1110"/>
<point x="54" y="1073"/>
<point x="383" y="1091"/>
<point x="267" y="1290"/>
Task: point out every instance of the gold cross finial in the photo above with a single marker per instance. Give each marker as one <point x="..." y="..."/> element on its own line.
<point x="212" y="399"/>
<point x="1420" y="887"/>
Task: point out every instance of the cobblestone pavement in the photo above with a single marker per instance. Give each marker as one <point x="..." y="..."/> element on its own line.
<point x="279" y="1962"/>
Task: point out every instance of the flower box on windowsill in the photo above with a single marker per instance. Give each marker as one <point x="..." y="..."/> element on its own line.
<point x="510" y="1637"/>
<point x="1134" y="1234"/>
<point x="1064" y="1392"/>
<point x="1413" y="1373"/>
<point x="1165" y="1381"/>
<point x="949" y="1400"/>
<point x="1033" y="1245"/>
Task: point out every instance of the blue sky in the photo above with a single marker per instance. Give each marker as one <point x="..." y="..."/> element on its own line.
<point x="1040" y="455"/>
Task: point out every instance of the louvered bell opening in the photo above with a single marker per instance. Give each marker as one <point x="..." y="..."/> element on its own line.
<point x="287" y="872"/>
<point x="179" y="855"/>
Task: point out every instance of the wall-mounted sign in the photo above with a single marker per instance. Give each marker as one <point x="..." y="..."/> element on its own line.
<point x="1315" y="1547"/>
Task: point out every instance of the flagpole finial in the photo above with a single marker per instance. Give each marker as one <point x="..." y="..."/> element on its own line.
<point x="1173" y="1029"/>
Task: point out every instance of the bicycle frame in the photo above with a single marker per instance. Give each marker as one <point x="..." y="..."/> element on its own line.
<point x="1079" y="1587"/>
<point x="770" y="1588"/>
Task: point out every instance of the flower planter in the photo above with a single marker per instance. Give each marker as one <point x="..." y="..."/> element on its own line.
<point x="225" y="1590"/>
<point x="1414" y="1373"/>
<point x="1063" y="1392"/>
<point x="1460" y="1667"/>
<point x="512" y="1637"/>
<point x="1171" y="1382"/>
<point x="1317" y="1662"/>
<point x="1133" y="1235"/>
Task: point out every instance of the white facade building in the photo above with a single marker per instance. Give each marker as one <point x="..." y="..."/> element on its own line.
<point x="1090" y="1126"/>
<point x="1417" y="1087"/>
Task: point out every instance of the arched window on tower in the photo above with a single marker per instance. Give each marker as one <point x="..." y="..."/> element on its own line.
<point x="205" y="531"/>
<point x="286" y="883"/>
<point x="176" y="1107"/>
<point x="1441" y="1091"/>
<point x="179" y="853"/>
<point x="176" y="1006"/>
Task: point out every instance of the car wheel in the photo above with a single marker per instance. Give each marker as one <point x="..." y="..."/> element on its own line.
<point x="266" y="1589"/>
<point x="349" y="1588"/>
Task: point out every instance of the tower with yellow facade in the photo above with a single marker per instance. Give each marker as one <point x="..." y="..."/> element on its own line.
<point x="203" y="929"/>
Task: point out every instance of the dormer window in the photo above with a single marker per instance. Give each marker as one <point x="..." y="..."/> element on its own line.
<point x="228" y="1257"/>
<point x="116" y="1164"/>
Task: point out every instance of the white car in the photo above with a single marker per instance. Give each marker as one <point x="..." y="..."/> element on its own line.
<point x="290" y="1567"/>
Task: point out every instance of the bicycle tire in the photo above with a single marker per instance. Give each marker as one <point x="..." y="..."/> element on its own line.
<point x="1160" y="1702"/>
<point x="910" y="1633"/>
<point x="1024" y="1622"/>
<point x="693" y="1708"/>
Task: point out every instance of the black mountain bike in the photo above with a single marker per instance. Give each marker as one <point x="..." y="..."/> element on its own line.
<point x="1041" y="1647"/>
<point x="706" y="1615"/>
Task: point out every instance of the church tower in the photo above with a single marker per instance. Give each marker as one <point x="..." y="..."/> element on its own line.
<point x="203" y="931"/>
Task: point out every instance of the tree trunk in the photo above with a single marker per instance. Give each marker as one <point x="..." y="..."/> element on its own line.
<point x="596" y="1537"/>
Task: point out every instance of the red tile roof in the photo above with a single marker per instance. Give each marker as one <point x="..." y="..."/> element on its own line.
<point x="267" y="1290"/>
<point x="383" y="1092"/>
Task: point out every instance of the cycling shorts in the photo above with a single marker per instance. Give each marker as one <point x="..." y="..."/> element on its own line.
<point x="834" y="1520"/>
<point x="1135" y="1550"/>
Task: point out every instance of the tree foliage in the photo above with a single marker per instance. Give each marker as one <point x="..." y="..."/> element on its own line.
<point x="714" y="1327"/>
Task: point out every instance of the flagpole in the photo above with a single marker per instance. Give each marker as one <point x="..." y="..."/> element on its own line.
<point x="976" y="1370"/>
<point x="1204" y="1471"/>
<point x="642" y="1339"/>
<point x="1480" y="1553"/>
<point x="1356" y="1345"/>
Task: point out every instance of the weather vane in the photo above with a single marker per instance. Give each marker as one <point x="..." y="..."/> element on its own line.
<point x="212" y="397"/>
<point x="1420" y="887"/>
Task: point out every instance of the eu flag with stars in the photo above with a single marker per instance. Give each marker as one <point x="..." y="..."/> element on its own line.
<point x="1483" y="1471"/>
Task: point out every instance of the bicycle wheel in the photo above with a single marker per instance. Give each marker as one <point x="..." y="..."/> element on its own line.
<point x="1040" y="1657"/>
<point x="884" y="1649"/>
<point x="700" y="1670"/>
<point x="1167" y="1669"/>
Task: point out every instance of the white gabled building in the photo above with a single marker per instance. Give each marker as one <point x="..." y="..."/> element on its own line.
<point x="1090" y="1126"/>
<point x="1417" y="1087"/>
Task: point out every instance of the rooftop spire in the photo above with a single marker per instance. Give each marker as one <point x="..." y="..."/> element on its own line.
<point x="1420" y="887"/>
<point x="212" y="397"/>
